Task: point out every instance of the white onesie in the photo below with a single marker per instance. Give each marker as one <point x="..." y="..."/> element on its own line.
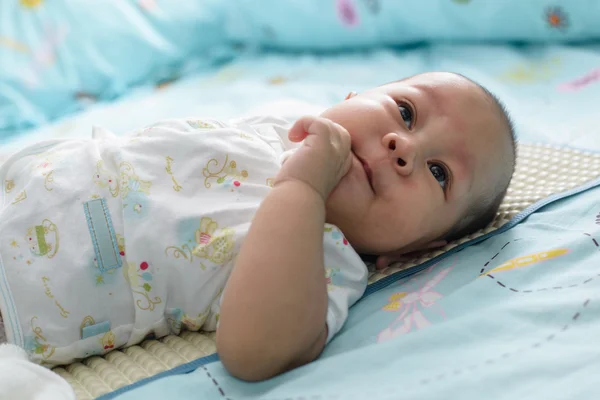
<point x="107" y="241"/>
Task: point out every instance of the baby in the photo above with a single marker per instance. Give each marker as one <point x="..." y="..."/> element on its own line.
<point x="252" y="226"/>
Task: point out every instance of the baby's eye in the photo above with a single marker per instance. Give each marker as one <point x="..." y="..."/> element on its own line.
<point x="407" y="115"/>
<point x="440" y="174"/>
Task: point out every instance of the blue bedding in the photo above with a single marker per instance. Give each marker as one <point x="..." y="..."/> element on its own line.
<point x="514" y="316"/>
<point x="58" y="56"/>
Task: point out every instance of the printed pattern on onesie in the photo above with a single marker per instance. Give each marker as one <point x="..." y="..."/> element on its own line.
<point x="207" y="181"/>
<point x="58" y="301"/>
<point x="110" y="241"/>
<point x="346" y="276"/>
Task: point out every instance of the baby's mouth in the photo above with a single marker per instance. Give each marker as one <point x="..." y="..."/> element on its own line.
<point x="368" y="171"/>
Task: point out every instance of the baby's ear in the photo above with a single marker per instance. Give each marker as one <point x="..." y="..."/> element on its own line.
<point x="350" y="95"/>
<point x="403" y="256"/>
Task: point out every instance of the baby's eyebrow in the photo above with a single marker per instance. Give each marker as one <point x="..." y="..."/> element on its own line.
<point x="432" y="96"/>
<point x="462" y="171"/>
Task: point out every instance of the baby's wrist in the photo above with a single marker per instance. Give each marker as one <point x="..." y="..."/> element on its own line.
<point x="299" y="184"/>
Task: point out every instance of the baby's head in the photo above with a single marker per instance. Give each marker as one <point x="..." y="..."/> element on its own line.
<point x="432" y="158"/>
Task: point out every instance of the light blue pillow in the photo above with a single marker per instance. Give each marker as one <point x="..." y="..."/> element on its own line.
<point x="342" y="24"/>
<point x="56" y="56"/>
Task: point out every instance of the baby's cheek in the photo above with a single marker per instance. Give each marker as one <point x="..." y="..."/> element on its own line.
<point x="412" y="189"/>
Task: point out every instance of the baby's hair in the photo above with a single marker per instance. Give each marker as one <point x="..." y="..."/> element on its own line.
<point x="484" y="207"/>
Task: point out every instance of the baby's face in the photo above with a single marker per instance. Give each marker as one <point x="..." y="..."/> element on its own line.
<point x="422" y="148"/>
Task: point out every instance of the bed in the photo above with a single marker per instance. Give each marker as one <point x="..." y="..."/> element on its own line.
<point x="511" y="311"/>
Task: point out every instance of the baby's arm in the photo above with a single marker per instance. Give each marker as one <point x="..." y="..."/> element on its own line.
<point x="272" y="316"/>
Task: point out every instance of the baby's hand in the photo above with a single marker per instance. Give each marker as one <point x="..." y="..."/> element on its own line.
<point x="324" y="157"/>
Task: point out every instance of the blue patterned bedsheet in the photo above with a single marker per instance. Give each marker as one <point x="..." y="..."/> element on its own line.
<point x="56" y="56"/>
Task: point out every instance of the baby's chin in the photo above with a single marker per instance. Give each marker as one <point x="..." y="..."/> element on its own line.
<point x="346" y="204"/>
<point x="351" y="226"/>
<point x="363" y="236"/>
<point x="365" y="242"/>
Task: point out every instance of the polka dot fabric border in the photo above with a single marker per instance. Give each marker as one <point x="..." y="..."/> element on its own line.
<point x="541" y="171"/>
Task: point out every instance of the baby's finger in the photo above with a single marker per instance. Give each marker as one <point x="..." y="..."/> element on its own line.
<point x="299" y="131"/>
<point x="344" y="137"/>
<point x="382" y="262"/>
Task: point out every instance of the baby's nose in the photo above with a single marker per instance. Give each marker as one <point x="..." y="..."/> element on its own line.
<point x="401" y="151"/>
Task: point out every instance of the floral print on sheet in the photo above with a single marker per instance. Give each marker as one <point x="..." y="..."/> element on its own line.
<point x="31" y="3"/>
<point x="411" y="305"/>
<point x="42" y="55"/>
<point x="557" y="18"/>
<point x="347" y="13"/>
<point x="589" y="78"/>
<point x="528" y="260"/>
<point x="533" y="72"/>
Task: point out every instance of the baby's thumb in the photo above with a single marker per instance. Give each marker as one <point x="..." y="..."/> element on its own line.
<point x="299" y="131"/>
<point x="382" y="262"/>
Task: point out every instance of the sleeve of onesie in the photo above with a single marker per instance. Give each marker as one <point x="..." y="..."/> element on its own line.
<point x="346" y="276"/>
